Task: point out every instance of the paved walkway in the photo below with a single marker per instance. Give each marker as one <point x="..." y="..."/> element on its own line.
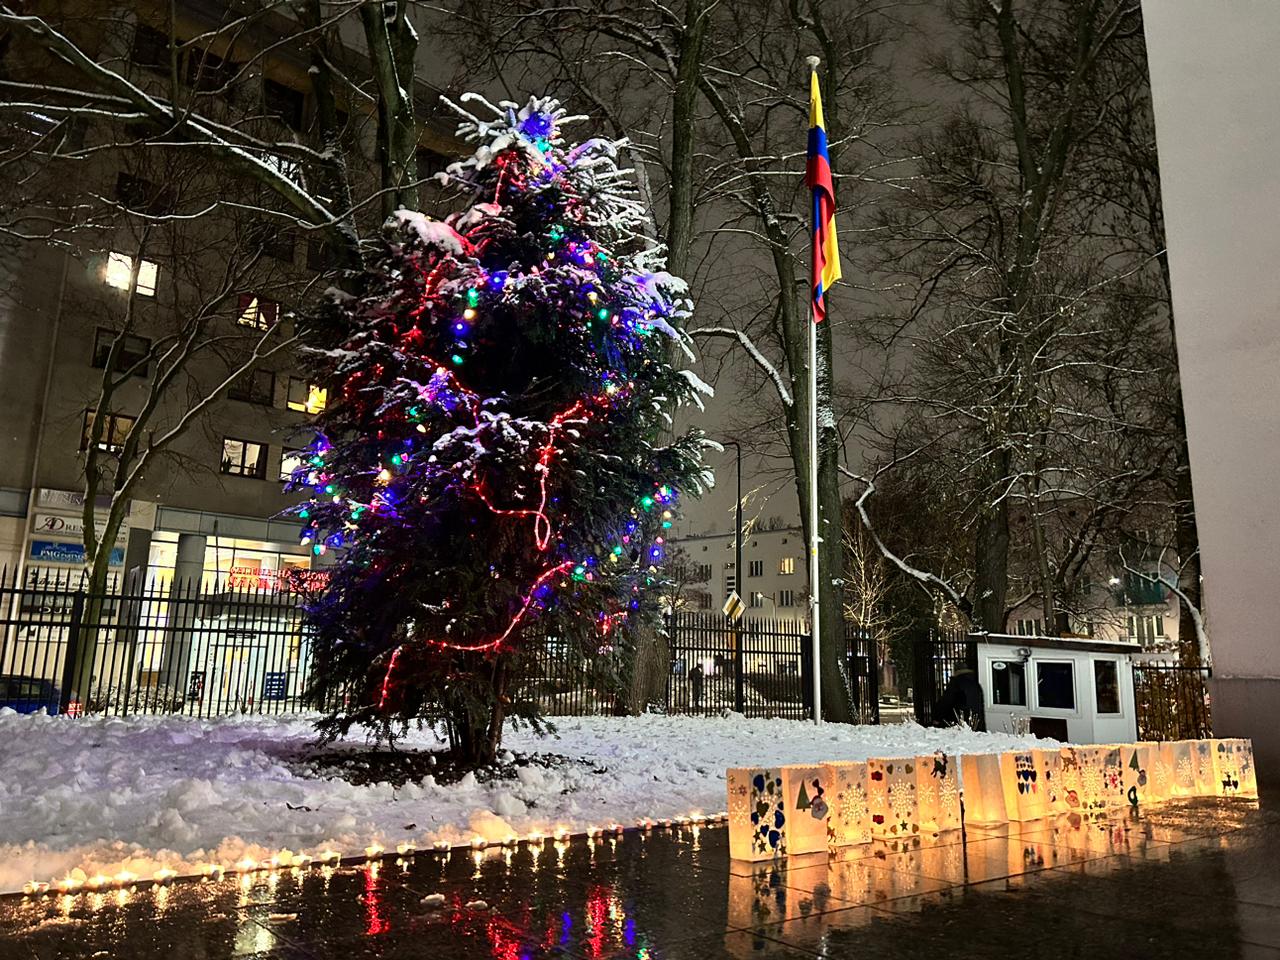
<point x="1196" y="879"/>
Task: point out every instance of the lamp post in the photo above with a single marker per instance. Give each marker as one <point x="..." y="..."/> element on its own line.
<point x="739" y="579"/>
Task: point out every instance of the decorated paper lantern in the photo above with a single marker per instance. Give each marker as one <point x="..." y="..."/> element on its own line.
<point x="806" y="807"/>
<point x="1135" y="766"/>
<point x="1180" y="755"/>
<point x="850" y="821"/>
<point x="938" y="792"/>
<point x="757" y="817"/>
<point x="1226" y="767"/>
<point x="1206" y="777"/>
<point x="1049" y="777"/>
<point x="1024" y="796"/>
<point x="1071" y="789"/>
<point x="982" y="787"/>
<point x="1101" y="779"/>
<point x="1244" y="765"/>
<point x="891" y="797"/>
<point x="1160" y="772"/>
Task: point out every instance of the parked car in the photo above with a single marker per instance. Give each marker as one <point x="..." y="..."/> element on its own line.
<point x="29" y="694"/>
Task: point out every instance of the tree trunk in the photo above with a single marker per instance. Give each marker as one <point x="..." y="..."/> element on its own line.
<point x="991" y="557"/>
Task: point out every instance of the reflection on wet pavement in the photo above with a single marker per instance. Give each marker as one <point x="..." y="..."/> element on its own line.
<point x="1198" y="876"/>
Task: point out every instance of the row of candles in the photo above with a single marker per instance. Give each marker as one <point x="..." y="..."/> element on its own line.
<point x="287" y="860"/>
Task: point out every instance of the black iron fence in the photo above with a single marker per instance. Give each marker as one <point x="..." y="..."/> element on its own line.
<point x="242" y="646"/>
<point x="759" y="667"/>
<point x="936" y="658"/>
<point x="1172" y="701"/>
<point x="154" y="647"/>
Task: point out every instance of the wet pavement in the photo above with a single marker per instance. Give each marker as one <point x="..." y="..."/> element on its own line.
<point x="1197" y="877"/>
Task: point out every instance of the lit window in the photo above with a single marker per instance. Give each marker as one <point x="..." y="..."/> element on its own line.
<point x="119" y="274"/>
<point x="257" y="312"/>
<point x="114" y="431"/>
<point x="290" y="462"/>
<point x="787" y="565"/>
<point x="243" y="458"/>
<point x="306" y="397"/>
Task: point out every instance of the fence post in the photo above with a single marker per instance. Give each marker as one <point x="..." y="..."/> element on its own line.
<point x="72" y="656"/>
<point x="739" y="692"/>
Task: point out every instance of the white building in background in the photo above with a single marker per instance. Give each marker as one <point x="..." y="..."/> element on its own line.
<point x="774" y="581"/>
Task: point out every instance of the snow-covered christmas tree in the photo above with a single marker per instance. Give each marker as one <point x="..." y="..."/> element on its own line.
<point x="491" y="468"/>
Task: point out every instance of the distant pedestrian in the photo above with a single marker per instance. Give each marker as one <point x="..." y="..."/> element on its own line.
<point x="695" y="685"/>
<point x="962" y="702"/>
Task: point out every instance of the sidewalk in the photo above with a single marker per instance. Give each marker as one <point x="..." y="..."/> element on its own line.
<point x="1195" y="878"/>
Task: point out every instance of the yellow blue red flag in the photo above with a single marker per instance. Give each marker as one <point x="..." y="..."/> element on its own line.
<point x="826" y="253"/>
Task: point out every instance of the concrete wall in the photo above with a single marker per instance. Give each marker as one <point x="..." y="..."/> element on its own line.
<point x="1216" y="80"/>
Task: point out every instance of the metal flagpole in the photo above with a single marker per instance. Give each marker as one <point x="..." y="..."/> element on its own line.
<point x="814" y="581"/>
<point x="813" y="519"/>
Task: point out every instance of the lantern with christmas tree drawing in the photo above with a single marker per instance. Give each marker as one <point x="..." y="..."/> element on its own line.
<point x="804" y="794"/>
<point x="493" y="463"/>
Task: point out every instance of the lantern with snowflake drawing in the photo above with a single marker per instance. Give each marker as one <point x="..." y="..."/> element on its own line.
<point x="757" y="821"/>
<point x="1180" y="757"/>
<point x="1206" y="776"/>
<point x="806" y="807"/>
<point x="891" y="796"/>
<point x="983" y="788"/>
<point x="1160" y="772"/>
<point x="1101" y="779"/>
<point x="850" y="821"/>
<point x="938" y="792"/>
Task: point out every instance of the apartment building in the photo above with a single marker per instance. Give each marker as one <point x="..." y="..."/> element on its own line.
<point x="774" y="581"/>
<point x="95" y="317"/>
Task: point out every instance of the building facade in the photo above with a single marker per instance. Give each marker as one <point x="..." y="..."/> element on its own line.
<point x="774" y="581"/>
<point x="92" y="323"/>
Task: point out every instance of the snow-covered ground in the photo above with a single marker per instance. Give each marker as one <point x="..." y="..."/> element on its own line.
<point x="139" y="795"/>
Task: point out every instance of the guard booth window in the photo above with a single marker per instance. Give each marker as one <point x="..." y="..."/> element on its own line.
<point x="1055" y="685"/>
<point x="1008" y="683"/>
<point x="1106" y="686"/>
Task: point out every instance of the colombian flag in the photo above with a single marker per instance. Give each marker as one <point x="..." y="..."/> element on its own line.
<point x="826" y="255"/>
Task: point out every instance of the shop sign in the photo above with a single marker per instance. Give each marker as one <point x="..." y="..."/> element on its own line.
<point x="63" y="526"/>
<point x="51" y="551"/>
<point x="295" y="579"/>
<point x="71" y="500"/>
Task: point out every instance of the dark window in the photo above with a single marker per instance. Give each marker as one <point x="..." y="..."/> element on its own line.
<point x="1008" y="683"/>
<point x="704" y="601"/>
<point x="150" y="49"/>
<point x="320" y="256"/>
<point x="786" y="598"/>
<point x="244" y="458"/>
<point x="133" y="352"/>
<point x="755" y="568"/>
<point x="430" y="162"/>
<point x="1055" y="685"/>
<point x="1106" y="684"/>
<point x="283" y="102"/>
<point x="208" y="72"/>
<point x="143" y="195"/>
<point x="258" y="386"/>
<point x="272" y="241"/>
<point x="114" y="431"/>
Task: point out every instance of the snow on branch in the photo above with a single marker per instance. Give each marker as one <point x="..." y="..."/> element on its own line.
<point x="929" y="580"/>
<point x="1202" y="635"/>
<point x="779" y="382"/>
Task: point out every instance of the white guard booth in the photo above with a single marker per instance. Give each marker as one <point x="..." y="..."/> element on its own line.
<point x="1075" y="690"/>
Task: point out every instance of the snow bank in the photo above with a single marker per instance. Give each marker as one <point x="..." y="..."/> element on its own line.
<point x="137" y="795"/>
